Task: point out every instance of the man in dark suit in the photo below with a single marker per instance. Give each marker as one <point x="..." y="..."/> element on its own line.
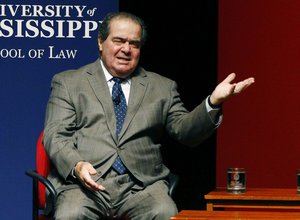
<point x="83" y="137"/>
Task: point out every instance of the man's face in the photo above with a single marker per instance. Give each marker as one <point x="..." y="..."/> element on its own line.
<point x="120" y="52"/>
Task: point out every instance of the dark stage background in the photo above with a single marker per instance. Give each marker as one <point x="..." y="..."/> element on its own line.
<point x="182" y="45"/>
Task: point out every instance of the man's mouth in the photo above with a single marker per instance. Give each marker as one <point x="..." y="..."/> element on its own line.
<point x="124" y="58"/>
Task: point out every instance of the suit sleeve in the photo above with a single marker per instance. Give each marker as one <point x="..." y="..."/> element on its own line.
<point x="188" y="127"/>
<point x="60" y="128"/>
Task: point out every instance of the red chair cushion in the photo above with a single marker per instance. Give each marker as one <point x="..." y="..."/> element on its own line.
<point x="43" y="168"/>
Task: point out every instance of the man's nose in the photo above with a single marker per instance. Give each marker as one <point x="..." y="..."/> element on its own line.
<point x="126" y="46"/>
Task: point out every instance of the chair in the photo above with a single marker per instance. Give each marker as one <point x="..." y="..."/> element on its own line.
<point x="173" y="180"/>
<point x="40" y="183"/>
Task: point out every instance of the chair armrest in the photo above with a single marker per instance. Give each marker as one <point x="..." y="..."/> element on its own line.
<point x="173" y="181"/>
<point x="39" y="178"/>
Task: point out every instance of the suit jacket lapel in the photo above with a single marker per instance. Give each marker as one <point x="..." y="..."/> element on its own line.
<point x="98" y="82"/>
<point x="137" y="92"/>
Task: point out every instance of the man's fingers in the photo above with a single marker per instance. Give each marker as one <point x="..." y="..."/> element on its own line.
<point x="92" y="185"/>
<point x="229" y="78"/>
<point x="243" y="85"/>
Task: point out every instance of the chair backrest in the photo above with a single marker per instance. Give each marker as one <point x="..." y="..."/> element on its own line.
<point x="42" y="168"/>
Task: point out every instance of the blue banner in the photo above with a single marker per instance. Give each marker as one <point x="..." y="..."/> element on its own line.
<point x="37" y="40"/>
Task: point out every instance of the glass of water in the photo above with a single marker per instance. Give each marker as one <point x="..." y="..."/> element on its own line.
<point x="236" y="180"/>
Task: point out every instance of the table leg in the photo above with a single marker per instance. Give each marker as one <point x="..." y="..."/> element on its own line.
<point x="209" y="206"/>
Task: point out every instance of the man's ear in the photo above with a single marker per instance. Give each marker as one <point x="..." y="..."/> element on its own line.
<point x="100" y="43"/>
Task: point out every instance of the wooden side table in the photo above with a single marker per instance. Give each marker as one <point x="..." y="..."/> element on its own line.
<point x="235" y="215"/>
<point x="254" y="198"/>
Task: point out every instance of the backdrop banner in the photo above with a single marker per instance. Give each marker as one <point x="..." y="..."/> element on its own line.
<point x="37" y="40"/>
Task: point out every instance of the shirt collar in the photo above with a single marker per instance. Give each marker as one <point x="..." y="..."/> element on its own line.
<point x="108" y="76"/>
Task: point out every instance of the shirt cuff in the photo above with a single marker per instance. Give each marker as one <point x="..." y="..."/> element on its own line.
<point x="215" y="114"/>
<point x="72" y="174"/>
<point x="212" y="105"/>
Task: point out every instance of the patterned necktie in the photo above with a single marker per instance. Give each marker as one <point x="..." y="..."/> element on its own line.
<point x="120" y="107"/>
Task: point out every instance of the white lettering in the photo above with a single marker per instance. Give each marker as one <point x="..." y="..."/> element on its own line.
<point x="19" y="28"/>
<point x="42" y="11"/>
<point x="11" y="9"/>
<point x="38" y="11"/>
<point x="6" y="27"/>
<point x="47" y="28"/>
<point x="60" y="27"/>
<point x="11" y="53"/>
<point x="26" y="10"/>
<point x="62" y="54"/>
<point x="50" y="12"/>
<point x="73" y="26"/>
<point x="2" y="10"/>
<point x="80" y="10"/>
<point x="91" y="12"/>
<point x="90" y="26"/>
<point x="33" y="29"/>
<point x="36" y="53"/>
<point x="67" y="11"/>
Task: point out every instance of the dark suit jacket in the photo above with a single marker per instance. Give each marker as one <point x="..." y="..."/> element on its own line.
<point x="80" y="124"/>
